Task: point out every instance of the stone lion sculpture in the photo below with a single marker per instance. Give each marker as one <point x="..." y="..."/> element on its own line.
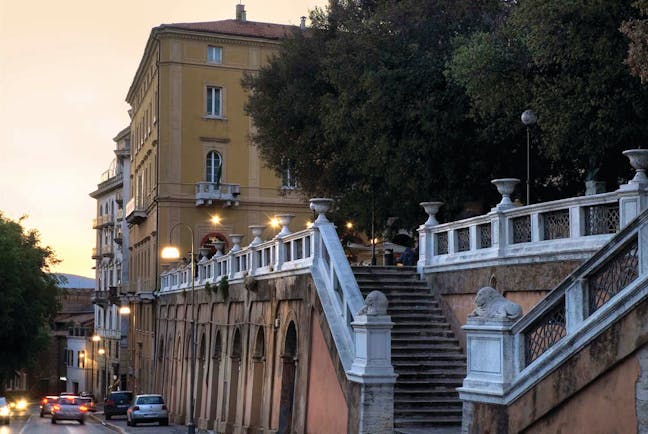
<point x="375" y="304"/>
<point x="491" y="304"/>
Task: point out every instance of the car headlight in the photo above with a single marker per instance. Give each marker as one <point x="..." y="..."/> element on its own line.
<point x="21" y="405"/>
<point x="4" y="411"/>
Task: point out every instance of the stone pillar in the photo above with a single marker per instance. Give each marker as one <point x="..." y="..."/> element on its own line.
<point x="372" y="366"/>
<point x="491" y="355"/>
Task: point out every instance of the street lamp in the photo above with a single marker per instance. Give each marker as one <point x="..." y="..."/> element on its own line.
<point x="95" y="339"/>
<point x="172" y="252"/>
<point x="102" y="352"/>
<point x="529" y="119"/>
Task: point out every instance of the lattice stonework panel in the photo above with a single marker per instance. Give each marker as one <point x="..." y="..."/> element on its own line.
<point x="463" y="240"/>
<point x="614" y="275"/>
<point x="484" y="232"/>
<point x="522" y="229"/>
<point x="602" y="219"/>
<point x="442" y="243"/>
<point x="556" y="224"/>
<point x="545" y="332"/>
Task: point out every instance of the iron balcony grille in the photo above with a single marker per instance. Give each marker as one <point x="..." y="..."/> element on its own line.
<point x="442" y="243"/>
<point x="556" y="224"/>
<point x="463" y="239"/>
<point x="614" y="275"/>
<point x="485" y="235"/>
<point x="545" y="332"/>
<point x="522" y="229"/>
<point x="602" y="219"/>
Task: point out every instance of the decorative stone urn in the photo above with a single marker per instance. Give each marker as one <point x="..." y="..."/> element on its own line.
<point x="639" y="161"/>
<point x="236" y="241"/>
<point x="431" y="208"/>
<point x="204" y="251"/>
<point x="505" y="187"/>
<point x="218" y="245"/>
<point x="321" y="205"/>
<point x="284" y="220"/>
<point x="256" y="230"/>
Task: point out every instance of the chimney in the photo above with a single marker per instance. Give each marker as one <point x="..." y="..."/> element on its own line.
<point x="302" y="24"/>
<point x="240" y="13"/>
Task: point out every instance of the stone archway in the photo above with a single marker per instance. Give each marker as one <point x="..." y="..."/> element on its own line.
<point x="257" y="362"/>
<point x="217" y="356"/>
<point x="235" y="368"/>
<point x="286" y="400"/>
<point x="200" y="380"/>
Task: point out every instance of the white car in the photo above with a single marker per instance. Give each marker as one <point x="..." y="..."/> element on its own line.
<point x="5" y="411"/>
<point x="147" y="408"/>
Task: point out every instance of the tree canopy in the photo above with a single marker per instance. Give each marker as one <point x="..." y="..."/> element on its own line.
<point x="29" y="296"/>
<point x="383" y="104"/>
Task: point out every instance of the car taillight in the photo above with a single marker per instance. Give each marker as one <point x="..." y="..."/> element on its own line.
<point x="164" y="407"/>
<point x="110" y="402"/>
<point x="83" y="408"/>
<point x="56" y="408"/>
<point x="44" y="401"/>
<point x="136" y="408"/>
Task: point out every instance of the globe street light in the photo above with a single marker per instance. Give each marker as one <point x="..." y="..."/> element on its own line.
<point x="529" y="119"/>
<point x="172" y="252"/>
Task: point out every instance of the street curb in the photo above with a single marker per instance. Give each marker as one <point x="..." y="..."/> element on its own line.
<point x="107" y="425"/>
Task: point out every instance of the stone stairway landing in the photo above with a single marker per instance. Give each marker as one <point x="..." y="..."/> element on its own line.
<point x="425" y="352"/>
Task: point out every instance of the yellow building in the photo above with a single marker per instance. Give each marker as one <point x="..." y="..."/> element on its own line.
<point x="192" y="157"/>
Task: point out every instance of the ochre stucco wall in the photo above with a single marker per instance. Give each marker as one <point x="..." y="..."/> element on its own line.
<point x="326" y="409"/>
<point x="605" y="406"/>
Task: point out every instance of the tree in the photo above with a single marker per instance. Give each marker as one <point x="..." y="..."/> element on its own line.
<point x="29" y="296"/>
<point x="564" y="59"/>
<point x="361" y="110"/>
<point x="636" y="29"/>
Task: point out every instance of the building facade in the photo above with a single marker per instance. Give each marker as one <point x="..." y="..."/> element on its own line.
<point x="111" y="255"/>
<point x="192" y="158"/>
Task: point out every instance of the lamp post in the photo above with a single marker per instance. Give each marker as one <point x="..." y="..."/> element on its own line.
<point x="95" y="339"/>
<point x="529" y="119"/>
<point x="102" y="352"/>
<point x="172" y="252"/>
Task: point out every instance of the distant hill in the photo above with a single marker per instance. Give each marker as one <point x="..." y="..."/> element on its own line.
<point x="77" y="282"/>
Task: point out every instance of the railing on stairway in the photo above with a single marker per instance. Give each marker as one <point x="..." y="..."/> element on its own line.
<point x="572" y="228"/>
<point x="506" y="358"/>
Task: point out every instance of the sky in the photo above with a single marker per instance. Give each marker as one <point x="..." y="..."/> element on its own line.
<point x="65" y="68"/>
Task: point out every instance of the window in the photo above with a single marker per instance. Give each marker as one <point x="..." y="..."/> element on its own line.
<point x="288" y="176"/>
<point x="81" y="359"/>
<point x="214" y="54"/>
<point x="214" y="101"/>
<point x="214" y="167"/>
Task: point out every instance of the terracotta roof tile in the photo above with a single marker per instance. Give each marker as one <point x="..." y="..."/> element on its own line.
<point x="238" y="28"/>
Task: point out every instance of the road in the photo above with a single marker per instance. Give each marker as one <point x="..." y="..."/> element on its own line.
<point x="31" y="423"/>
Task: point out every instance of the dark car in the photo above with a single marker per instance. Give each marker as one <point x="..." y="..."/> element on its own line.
<point x="69" y="408"/>
<point x="47" y="403"/>
<point x="117" y="403"/>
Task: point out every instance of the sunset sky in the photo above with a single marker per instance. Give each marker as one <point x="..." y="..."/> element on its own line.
<point x="65" y="68"/>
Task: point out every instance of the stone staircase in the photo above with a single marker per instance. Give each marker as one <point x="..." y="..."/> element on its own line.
<point x="425" y="353"/>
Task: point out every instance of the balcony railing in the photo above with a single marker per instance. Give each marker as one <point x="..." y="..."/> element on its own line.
<point x="135" y="212"/>
<point x="103" y="220"/>
<point x="95" y="255"/>
<point x="107" y="251"/>
<point x="569" y="228"/>
<point x="209" y="192"/>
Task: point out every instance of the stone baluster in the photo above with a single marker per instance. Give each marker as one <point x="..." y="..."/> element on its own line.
<point x="427" y="241"/>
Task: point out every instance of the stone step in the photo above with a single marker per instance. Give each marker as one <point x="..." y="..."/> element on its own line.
<point x="431" y="422"/>
<point x="416" y="323"/>
<point x="429" y="411"/>
<point x="417" y="401"/>
<point x="403" y="365"/>
<point x="422" y="333"/>
<point x="423" y="340"/>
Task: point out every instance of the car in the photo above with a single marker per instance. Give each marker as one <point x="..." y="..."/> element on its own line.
<point x="5" y="411"/>
<point x="146" y="409"/>
<point x="69" y="408"/>
<point x="18" y="406"/>
<point x="117" y="403"/>
<point x="89" y="402"/>
<point x="46" y="404"/>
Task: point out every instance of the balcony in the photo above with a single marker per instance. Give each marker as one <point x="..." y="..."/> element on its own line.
<point x="135" y="212"/>
<point x="107" y="251"/>
<point x="111" y="296"/>
<point x="118" y="237"/>
<point x="120" y="214"/>
<point x="95" y="255"/>
<point x="119" y="197"/>
<point x="102" y="221"/>
<point x="209" y="192"/>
